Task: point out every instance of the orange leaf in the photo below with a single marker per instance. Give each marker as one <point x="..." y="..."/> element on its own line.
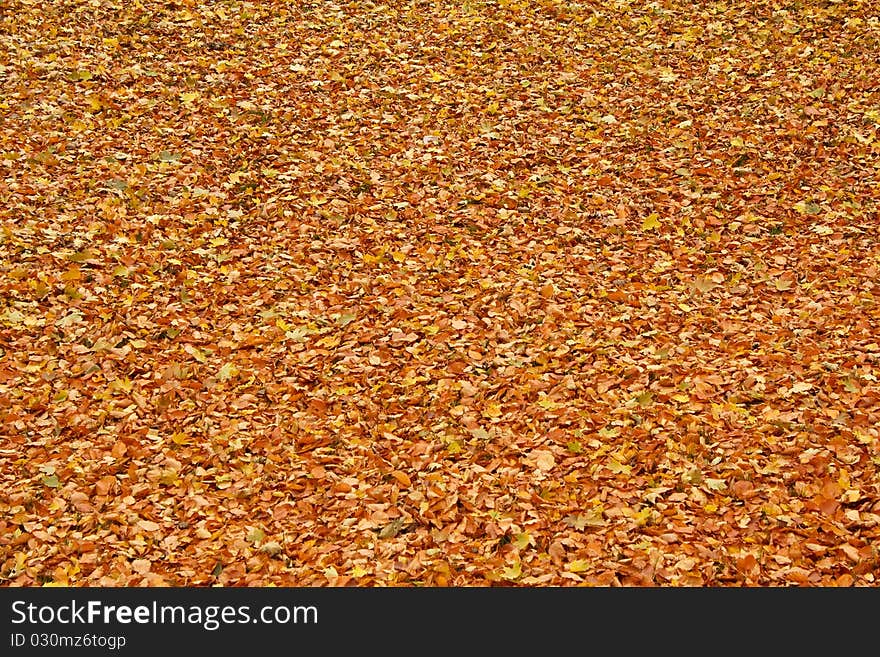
<point x="402" y="478"/>
<point x="105" y="484"/>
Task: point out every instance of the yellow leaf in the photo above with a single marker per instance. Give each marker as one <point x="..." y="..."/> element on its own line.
<point x="493" y="409"/>
<point x="523" y="540"/>
<point x="715" y="484"/>
<point x="189" y="96"/>
<point x="513" y="572"/>
<point x="617" y="467"/>
<point x="578" y="566"/>
<point x="371" y="259"/>
<point x="12" y="317"/>
<point x="873" y="115"/>
<point x="82" y="256"/>
<point x="346" y="318"/>
<point x="180" y="438"/>
<point x="651" y="222"/>
<point x="783" y="284"/>
<point x="641" y="517"/>
<point x="20" y="561"/>
<point x="548" y="404"/>
<point x="298" y="334"/>
<point x="123" y="383"/>
<point x="227" y="371"/>
<point x="807" y="207"/>
<point x="480" y="433"/>
<point x="195" y="353"/>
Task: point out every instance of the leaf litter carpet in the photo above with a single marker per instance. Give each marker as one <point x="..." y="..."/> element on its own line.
<point x="508" y="293"/>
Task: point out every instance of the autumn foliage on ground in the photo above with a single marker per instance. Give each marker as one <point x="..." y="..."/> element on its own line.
<point x="503" y="292"/>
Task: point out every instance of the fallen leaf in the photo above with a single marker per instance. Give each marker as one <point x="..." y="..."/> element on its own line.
<point x="544" y="460"/>
<point x="651" y="222"/>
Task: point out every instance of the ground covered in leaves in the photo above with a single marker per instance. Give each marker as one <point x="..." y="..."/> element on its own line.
<point x="514" y="292"/>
